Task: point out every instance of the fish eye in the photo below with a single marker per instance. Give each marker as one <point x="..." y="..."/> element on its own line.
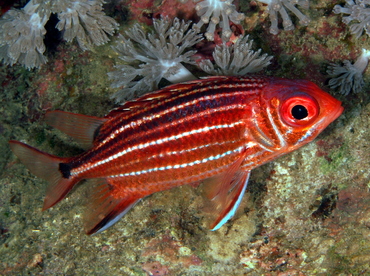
<point x="299" y="110"/>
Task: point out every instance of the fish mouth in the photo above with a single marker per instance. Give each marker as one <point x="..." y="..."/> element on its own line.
<point x="334" y="113"/>
<point x="339" y="111"/>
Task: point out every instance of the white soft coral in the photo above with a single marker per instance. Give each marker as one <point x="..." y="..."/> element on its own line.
<point x="358" y="13"/>
<point x="236" y="59"/>
<point x="21" y="36"/>
<point x="22" y="31"/>
<point x="280" y="6"/>
<point x="348" y="77"/>
<point x="85" y="21"/>
<point x="152" y="57"/>
<point x="217" y="12"/>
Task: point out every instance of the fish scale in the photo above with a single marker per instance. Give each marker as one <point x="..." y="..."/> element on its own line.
<point x="214" y="130"/>
<point x="153" y="139"/>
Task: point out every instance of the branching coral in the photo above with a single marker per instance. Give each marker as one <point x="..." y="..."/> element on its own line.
<point x="152" y="57"/>
<point x="348" y="77"/>
<point x="22" y="31"/>
<point x="235" y="59"/>
<point x="357" y="11"/>
<point x="280" y="6"/>
<point x="217" y="12"/>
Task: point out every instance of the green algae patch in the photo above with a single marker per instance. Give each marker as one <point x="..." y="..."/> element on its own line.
<point x="335" y="160"/>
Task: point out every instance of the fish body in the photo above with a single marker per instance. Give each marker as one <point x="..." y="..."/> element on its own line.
<point x="214" y="130"/>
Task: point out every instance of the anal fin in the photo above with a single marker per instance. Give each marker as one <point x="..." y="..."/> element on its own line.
<point x="105" y="208"/>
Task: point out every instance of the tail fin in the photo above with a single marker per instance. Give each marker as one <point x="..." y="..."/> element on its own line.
<point x="49" y="167"/>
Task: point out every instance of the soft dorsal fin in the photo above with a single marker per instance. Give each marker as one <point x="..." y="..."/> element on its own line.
<point x="225" y="192"/>
<point x="83" y="128"/>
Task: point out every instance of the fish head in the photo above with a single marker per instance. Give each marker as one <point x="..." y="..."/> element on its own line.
<point x="300" y="110"/>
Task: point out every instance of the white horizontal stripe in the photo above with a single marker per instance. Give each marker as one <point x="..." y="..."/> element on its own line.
<point x="178" y="152"/>
<point x="166" y="139"/>
<point x="173" y="109"/>
<point x="152" y="143"/>
<point x="183" y="165"/>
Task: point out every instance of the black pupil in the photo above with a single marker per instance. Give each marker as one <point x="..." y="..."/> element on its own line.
<point x="299" y="112"/>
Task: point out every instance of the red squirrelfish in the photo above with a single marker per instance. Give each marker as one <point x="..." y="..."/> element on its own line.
<point x="214" y="130"/>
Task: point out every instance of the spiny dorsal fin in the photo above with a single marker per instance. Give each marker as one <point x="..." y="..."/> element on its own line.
<point x="154" y="97"/>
